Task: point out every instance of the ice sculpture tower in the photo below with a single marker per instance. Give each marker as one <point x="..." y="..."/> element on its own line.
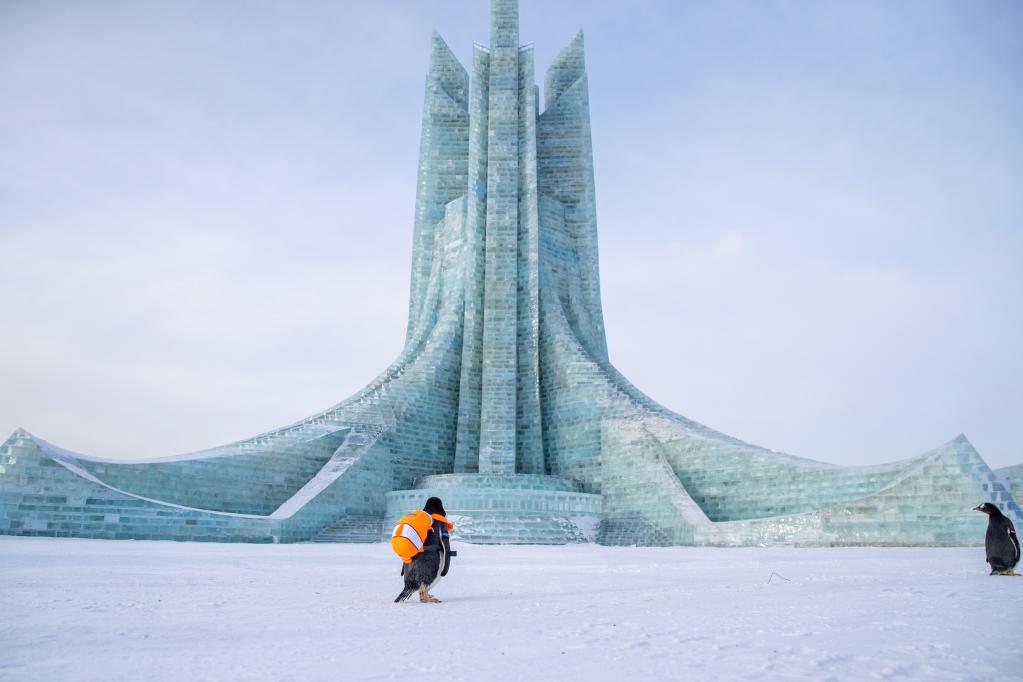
<point x="503" y="400"/>
<point x="494" y="161"/>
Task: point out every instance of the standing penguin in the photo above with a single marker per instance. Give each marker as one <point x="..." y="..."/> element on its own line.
<point x="432" y="563"/>
<point x="1000" y="543"/>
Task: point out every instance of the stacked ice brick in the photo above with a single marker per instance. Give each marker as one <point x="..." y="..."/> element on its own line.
<point x="503" y="401"/>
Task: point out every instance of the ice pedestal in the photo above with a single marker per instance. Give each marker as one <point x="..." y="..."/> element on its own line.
<point x="505" y="509"/>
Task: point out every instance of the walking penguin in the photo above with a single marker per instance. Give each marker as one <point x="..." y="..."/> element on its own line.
<point x="423" y="542"/>
<point x="1000" y="543"/>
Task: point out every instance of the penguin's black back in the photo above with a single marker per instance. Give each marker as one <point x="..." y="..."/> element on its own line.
<point x="1001" y="544"/>
<point x="426" y="565"/>
<point x="423" y="570"/>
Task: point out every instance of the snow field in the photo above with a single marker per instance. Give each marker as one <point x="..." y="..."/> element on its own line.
<point x="123" y="610"/>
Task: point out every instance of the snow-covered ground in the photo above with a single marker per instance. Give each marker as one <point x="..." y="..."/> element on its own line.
<point x="121" y="610"/>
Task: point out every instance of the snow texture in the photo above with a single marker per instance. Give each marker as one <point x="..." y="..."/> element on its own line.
<point x="106" y="610"/>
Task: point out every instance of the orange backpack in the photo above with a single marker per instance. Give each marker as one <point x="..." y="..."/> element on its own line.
<point x="410" y="534"/>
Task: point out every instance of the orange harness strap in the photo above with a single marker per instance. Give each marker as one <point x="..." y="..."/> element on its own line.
<point x="442" y="519"/>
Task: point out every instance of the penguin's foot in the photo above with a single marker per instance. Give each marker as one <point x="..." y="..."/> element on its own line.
<point x="428" y="598"/>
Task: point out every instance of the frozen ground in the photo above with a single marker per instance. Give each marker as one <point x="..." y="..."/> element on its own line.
<point x="116" y="610"/>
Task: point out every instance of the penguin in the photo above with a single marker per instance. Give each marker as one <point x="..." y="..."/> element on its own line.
<point x="433" y="562"/>
<point x="1000" y="543"/>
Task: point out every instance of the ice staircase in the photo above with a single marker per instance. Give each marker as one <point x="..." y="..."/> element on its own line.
<point x="362" y="528"/>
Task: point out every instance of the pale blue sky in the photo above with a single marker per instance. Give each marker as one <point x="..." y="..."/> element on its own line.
<point x="810" y="213"/>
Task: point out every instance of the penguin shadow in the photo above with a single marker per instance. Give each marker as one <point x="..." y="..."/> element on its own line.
<point x="514" y="596"/>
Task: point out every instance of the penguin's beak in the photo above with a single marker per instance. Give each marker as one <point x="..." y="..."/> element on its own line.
<point x="977" y="508"/>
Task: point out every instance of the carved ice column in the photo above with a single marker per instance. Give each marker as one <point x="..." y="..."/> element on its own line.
<point x="565" y="169"/>
<point x="500" y="292"/>
<point x="467" y="440"/>
<point x="443" y="154"/>
<point x="529" y="443"/>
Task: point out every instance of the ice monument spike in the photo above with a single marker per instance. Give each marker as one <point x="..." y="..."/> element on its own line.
<point x="503" y="400"/>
